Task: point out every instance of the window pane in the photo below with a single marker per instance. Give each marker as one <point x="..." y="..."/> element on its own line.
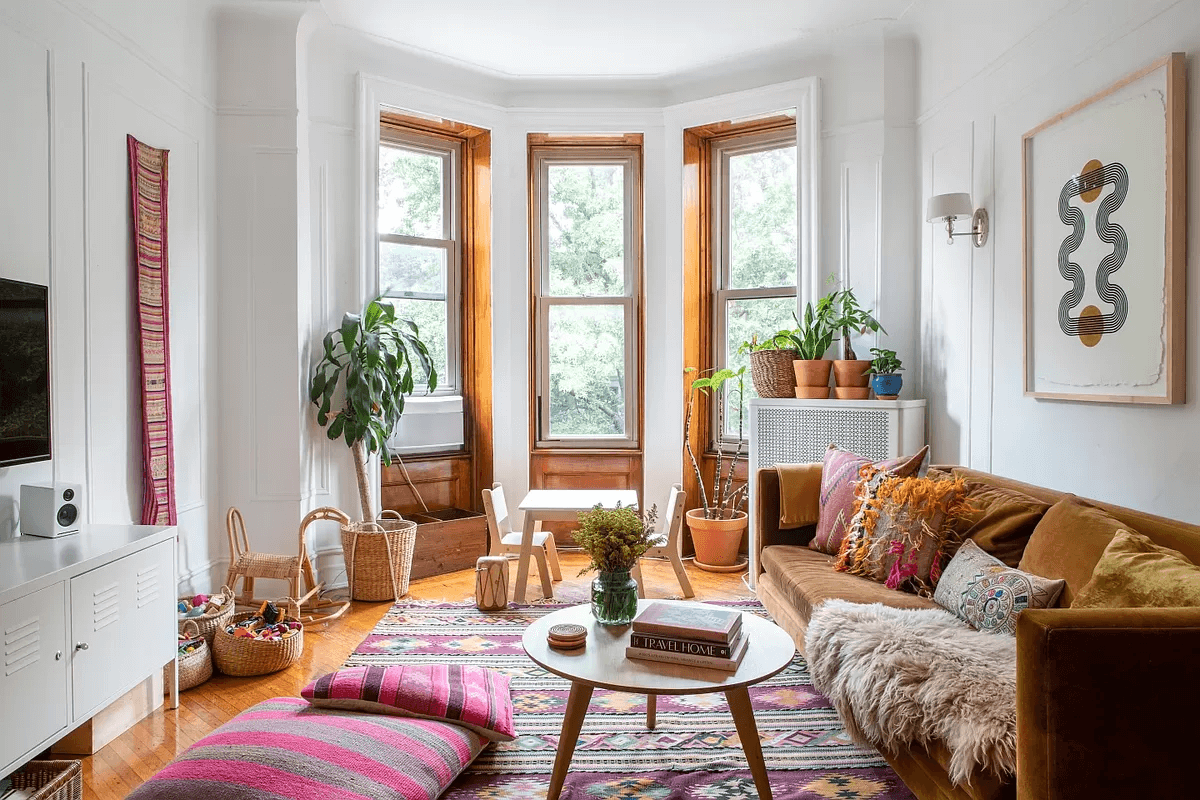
<point x="745" y="318"/>
<point x="410" y="193"/>
<point x="586" y="229"/>
<point x="430" y="317"/>
<point x="587" y="370"/>
<point x="762" y="219"/>
<point x="411" y="268"/>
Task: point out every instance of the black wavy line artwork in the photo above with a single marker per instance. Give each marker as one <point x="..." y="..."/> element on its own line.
<point x="1110" y="232"/>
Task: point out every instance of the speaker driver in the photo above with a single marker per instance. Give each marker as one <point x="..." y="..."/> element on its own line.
<point x="67" y="514"/>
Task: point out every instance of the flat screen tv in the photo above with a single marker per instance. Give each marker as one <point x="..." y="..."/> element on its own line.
<point x="24" y="373"/>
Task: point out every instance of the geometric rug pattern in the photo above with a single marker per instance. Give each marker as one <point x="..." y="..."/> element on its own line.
<point x="693" y="754"/>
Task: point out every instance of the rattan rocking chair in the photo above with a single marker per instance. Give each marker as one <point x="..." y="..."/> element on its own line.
<point x="248" y="566"/>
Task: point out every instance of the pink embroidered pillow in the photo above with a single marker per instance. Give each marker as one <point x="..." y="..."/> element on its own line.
<point x="477" y="698"/>
<point x="839" y="476"/>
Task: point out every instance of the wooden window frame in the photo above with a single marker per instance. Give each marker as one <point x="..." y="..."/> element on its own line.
<point x="546" y="150"/>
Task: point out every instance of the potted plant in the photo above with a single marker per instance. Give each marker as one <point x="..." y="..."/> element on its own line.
<point x="849" y="372"/>
<point x="717" y="526"/>
<point x="811" y="339"/>
<point x="367" y="368"/>
<point x="614" y="539"/>
<point x="771" y="364"/>
<point x="885" y="373"/>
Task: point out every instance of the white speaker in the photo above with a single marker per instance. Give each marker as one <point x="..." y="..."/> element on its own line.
<point x="51" y="509"/>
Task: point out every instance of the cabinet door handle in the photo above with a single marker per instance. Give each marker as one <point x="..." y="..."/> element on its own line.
<point x="81" y="645"/>
<point x="58" y="655"/>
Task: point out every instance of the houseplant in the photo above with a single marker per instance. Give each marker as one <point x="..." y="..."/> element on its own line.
<point x="614" y="539"/>
<point x="717" y="526"/>
<point x="367" y="369"/>
<point x="885" y="373"/>
<point x="811" y="339"/>
<point x="771" y="364"/>
<point x="849" y="372"/>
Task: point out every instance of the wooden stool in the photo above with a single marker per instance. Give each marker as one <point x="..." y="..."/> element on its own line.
<point x="491" y="583"/>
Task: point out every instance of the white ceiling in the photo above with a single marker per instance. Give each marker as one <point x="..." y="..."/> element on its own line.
<point x="603" y="38"/>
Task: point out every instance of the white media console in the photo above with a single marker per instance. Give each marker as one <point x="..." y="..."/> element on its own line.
<point x="84" y="619"/>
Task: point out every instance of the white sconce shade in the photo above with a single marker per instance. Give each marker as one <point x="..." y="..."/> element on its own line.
<point x="955" y="205"/>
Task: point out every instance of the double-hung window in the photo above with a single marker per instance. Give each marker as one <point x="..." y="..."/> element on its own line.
<point x="754" y="254"/>
<point x="418" y="254"/>
<point x="586" y="221"/>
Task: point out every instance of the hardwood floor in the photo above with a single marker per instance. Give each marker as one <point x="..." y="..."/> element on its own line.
<point x="147" y="747"/>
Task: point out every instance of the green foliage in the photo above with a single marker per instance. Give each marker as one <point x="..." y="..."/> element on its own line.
<point x="851" y="317"/>
<point x="781" y="340"/>
<point x="615" y="538"/>
<point x="814" y="335"/>
<point x="724" y="498"/>
<point x="884" y="362"/>
<point x="371" y="358"/>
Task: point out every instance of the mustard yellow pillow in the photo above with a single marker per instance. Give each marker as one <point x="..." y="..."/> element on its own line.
<point x="1134" y="572"/>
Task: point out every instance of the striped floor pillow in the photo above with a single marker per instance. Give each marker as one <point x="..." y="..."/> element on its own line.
<point x="286" y="748"/>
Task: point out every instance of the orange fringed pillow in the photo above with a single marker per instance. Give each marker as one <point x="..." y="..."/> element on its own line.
<point x="902" y="533"/>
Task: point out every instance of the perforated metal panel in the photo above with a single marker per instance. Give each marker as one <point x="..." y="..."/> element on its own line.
<point x="794" y="435"/>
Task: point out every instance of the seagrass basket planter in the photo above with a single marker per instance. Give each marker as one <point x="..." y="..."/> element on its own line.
<point x="194" y="667"/>
<point x="772" y="374"/>
<point x="209" y="623"/>
<point x="50" y="780"/>
<point x="379" y="558"/>
<point x="242" y="657"/>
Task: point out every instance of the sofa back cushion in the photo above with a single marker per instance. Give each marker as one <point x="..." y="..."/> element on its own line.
<point x="1134" y="572"/>
<point x="1068" y="543"/>
<point x="999" y="520"/>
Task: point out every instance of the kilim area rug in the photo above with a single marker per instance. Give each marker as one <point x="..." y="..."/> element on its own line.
<point x="694" y="754"/>
<point x="148" y="188"/>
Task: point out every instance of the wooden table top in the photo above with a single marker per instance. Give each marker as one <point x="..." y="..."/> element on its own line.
<point x="576" y="499"/>
<point x="603" y="663"/>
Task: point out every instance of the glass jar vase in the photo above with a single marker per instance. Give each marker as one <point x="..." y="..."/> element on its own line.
<point x="614" y="598"/>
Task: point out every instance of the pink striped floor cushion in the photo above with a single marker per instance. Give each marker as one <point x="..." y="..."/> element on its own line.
<point x="476" y="697"/>
<point x="285" y="748"/>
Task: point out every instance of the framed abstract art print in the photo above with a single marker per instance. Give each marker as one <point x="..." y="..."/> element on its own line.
<point x="1104" y="239"/>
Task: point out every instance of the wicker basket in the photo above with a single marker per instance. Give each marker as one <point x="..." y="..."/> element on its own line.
<point x="50" y="780"/>
<point x="242" y="657"/>
<point x="772" y="373"/>
<point x="194" y="667"/>
<point x="379" y="558"/>
<point x="211" y="622"/>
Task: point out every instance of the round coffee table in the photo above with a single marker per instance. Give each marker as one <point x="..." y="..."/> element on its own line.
<point x="603" y="665"/>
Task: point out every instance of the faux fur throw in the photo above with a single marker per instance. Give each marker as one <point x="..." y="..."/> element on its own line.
<point x="899" y="677"/>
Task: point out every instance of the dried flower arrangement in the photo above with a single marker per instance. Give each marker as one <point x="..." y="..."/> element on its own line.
<point x="615" y="538"/>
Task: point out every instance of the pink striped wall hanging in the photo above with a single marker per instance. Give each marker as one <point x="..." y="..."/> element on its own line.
<point x="148" y="187"/>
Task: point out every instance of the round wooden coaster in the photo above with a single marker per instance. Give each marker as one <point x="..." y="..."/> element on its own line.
<point x="568" y="631"/>
<point x="567" y="647"/>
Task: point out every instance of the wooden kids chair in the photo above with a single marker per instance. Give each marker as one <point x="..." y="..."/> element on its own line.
<point x="505" y="541"/>
<point x="667" y="543"/>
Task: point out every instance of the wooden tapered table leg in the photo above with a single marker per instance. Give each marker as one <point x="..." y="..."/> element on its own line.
<point x="651" y="711"/>
<point x="743" y="718"/>
<point x="577" y="706"/>
<point x="525" y="558"/>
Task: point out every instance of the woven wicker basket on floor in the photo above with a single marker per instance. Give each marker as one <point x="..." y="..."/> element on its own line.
<point x="379" y="558"/>
<point x="194" y="667"/>
<point x="209" y="623"/>
<point x="50" y="780"/>
<point x="241" y="656"/>
<point x="772" y="373"/>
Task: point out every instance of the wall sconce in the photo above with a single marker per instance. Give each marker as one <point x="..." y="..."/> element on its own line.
<point x="957" y="205"/>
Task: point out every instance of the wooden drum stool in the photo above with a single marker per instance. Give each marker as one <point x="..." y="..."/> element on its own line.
<point x="491" y="583"/>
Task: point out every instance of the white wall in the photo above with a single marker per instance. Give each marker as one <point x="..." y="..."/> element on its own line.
<point x="75" y="78"/>
<point x="985" y="79"/>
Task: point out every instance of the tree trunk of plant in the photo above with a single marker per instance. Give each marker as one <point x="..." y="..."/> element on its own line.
<point x="847" y="348"/>
<point x="363" y="476"/>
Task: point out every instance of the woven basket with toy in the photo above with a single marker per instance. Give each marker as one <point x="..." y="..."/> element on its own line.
<point x="260" y="642"/>
<point x="194" y="657"/>
<point x="208" y="612"/>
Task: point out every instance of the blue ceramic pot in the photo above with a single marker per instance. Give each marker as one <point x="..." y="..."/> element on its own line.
<point x="887" y="386"/>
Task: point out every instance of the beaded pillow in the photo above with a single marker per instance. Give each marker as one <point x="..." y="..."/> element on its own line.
<point x="286" y="748"/>
<point x="474" y="697"/>
<point x="989" y="595"/>
<point x="840" y="475"/>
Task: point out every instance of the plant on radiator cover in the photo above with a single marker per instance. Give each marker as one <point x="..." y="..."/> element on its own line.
<point x="367" y="369"/>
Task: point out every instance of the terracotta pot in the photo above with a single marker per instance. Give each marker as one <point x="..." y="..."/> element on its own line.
<point x="812" y="392"/>
<point x="813" y="372"/>
<point x="717" y="540"/>
<point x="852" y="392"/>
<point x="851" y="373"/>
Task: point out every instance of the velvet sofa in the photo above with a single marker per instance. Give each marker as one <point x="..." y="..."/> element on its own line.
<point x="1107" y="700"/>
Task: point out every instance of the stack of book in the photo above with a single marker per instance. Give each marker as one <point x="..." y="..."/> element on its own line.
<point x="685" y="634"/>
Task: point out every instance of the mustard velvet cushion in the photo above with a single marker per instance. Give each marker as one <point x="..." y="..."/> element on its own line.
<point x="1067" y="544"/>
<point x="1134" y="572"/>
<point x="1000" y="520"/>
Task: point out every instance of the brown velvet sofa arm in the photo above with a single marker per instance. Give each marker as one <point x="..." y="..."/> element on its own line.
<point x="766" y="517"/>
<point x="1107" y="703"/>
